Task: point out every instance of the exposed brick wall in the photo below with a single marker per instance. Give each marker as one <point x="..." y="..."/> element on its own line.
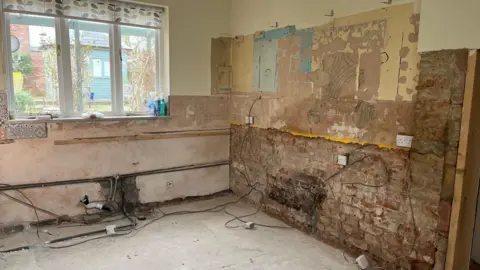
<point x="35" y="82"/>
<point x="292" y="172"/>
<point x="438" y="116"/>
<point x="23" y="35"/>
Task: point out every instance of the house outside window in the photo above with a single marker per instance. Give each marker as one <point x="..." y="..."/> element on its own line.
<point x="64" y="64"/>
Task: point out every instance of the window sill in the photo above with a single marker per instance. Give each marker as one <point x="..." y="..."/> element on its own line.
<point x="78" y="119"/>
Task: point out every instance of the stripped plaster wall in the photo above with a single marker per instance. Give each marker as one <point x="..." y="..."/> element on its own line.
<point x="357" y="81"/>
<point x="39" y="160"/>
<point x="365" y="63"/>
<point x="191" y="26"/>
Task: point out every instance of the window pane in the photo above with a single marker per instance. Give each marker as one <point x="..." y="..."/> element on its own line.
<point x="34" y="62"/>
<point x="90" y="47"/>
<point x="97" y="68"/>
<point x="138" y="67"/>
<point x="106" y="69"/>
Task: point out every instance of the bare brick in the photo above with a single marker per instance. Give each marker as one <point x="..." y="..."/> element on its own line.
<point x="444" y="211"/>
<point x="370" y="228"/>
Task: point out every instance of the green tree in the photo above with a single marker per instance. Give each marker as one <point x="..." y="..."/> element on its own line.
<point x="141" y="69"/>
<point x="22" y="63"/>
<point x="81" y="76"/>
<point x="24" y="101"/>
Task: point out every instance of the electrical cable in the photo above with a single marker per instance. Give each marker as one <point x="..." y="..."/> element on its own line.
<point x="248" y="180"/>
<point x="91" y="224"/>
<point x="31" y="204"/>
<point x="223" y="207"/>
<point x="115" y="188"/>
<point x="327" y="180"/>
<point x="111" y="188"/>
<point x="384" y="165"/>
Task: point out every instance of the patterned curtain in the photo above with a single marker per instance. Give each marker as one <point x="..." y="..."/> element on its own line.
<point x="112" y="11"/>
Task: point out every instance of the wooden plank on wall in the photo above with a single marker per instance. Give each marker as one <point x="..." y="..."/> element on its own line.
<point x="462" y="219"/>
<point x="142" y="137"/>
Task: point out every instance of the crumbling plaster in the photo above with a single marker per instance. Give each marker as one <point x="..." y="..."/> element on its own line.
<point x="361" y="84"/>
<point x="367" y="84"/>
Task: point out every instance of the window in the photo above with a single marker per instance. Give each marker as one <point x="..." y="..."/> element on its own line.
<point x="106" y="69"/>
<point x="90" y="47"/>
<point x="77" y="61"/>
<point x="34" y="67"/>
<point x="139" y="79"/>
<point x="97" y="68"/>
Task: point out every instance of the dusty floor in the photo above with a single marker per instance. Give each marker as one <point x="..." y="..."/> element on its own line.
<point x="199" y="241"/>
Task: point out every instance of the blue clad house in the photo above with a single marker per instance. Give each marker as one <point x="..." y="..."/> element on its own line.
<point x="99" y="64"/>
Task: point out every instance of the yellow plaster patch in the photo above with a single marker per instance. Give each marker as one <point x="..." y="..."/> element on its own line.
<point x="329" y="138"/>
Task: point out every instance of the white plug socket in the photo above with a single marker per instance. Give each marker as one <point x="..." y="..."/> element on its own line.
<point x="404" y="141"/>
<point x="342" y="160"/>
<point x="249" y="120"/>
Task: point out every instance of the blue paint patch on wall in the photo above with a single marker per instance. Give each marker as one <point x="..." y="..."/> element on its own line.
<point x="306" y="41"/>
<point x="278" y="33"/>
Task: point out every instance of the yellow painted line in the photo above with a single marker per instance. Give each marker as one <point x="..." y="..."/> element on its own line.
<point x="329" y="138"/>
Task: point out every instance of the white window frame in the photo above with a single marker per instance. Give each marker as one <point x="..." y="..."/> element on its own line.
<point x="64" y="66"/>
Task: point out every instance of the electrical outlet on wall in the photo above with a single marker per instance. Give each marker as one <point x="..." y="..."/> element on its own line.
<point x="342" y="160"/>
<point x="404" y="141"/>
<point x="249" y="120"/>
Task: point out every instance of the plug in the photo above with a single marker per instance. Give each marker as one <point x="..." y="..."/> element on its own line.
<point x="362" y="262"/>
<point x="249" y="120"/>
<point x="249" y="225"/>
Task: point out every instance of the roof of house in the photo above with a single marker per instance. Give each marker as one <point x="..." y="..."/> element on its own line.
<point x="94" y="39"/>
<point x="97" y="39"/>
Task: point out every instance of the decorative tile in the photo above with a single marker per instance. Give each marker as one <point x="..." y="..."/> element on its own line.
<point x="27" y="131"/>
<point x="3" y="109"/>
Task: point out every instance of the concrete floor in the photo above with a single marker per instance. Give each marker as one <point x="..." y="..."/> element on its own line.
<point x="198" y="241"/>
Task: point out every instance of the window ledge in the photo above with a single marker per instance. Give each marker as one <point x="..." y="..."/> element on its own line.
<point x="78" y="119"/>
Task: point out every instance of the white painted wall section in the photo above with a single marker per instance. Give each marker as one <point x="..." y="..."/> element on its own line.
<point x="449" y="24"/>
<point x="249" y="16"/>
<point x="192" y="24"/>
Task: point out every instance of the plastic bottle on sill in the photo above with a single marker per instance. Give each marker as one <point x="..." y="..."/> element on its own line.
<point x="157" y="105"/>
<point x="161" y="106"/>
<point x="151" y="104"/>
